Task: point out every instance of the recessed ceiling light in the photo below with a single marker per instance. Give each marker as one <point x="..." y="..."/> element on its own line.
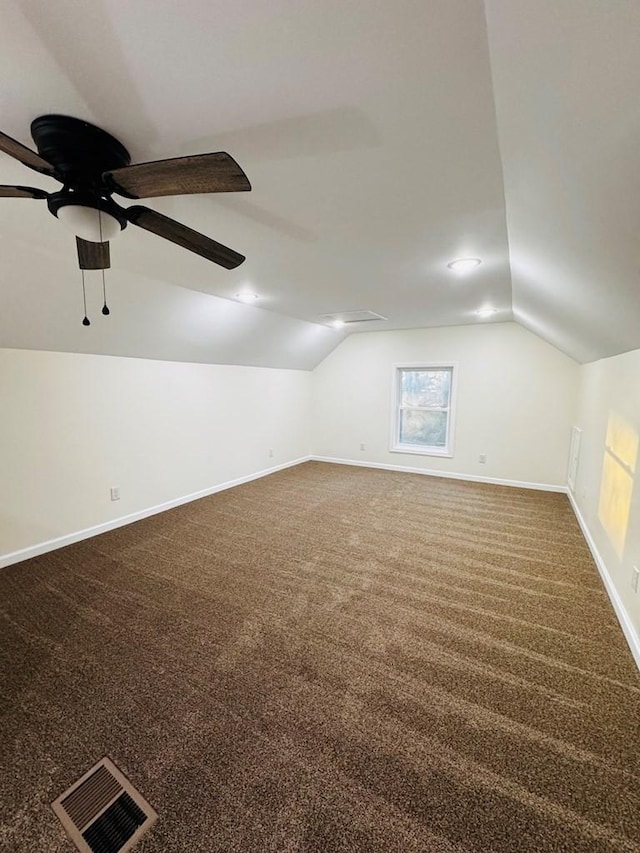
<point x="337" y="324"/>
<point x="247" y="297"/>
<point x="464" y="264"/>
<point x="483" y="313"/>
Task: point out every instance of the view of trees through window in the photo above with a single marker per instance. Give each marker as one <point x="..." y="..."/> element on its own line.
<point x="424" y="398"/>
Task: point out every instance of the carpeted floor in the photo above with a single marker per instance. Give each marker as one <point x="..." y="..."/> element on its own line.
<point x="328" y="659"/>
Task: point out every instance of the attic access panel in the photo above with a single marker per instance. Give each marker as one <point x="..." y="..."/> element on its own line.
<point x="346" y="317"/>
<point x="102" y="812"/>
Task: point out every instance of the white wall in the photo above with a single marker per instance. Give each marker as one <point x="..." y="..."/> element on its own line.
<point x="515" y="402"/>
<point x="72" y="426"/>
<point x="608" y="484"/>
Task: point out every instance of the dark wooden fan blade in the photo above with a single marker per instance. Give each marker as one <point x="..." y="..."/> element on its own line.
<point x="93" y="256"/>
<point x="21" y="192"/>
<point x="25" y="155"/>
<point x="202" y="173"/>
<point x="183" y="236"/>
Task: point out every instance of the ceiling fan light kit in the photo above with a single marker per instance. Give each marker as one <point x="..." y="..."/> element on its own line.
<point x="96" y="224"/>
<point x="92" y="165"/>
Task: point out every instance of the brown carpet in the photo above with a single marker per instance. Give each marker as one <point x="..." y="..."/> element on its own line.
<point x="328" y="659"/>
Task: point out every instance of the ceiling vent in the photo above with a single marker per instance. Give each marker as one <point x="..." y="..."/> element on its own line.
<point x="352" y="317"/>
<point x="102" y="812"/>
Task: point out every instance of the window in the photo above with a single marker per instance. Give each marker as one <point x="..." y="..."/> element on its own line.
<point x="423" y="409"/>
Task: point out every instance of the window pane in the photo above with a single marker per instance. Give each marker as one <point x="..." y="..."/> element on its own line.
<point x="425" y="388"/>
<point x="426" y="429"/>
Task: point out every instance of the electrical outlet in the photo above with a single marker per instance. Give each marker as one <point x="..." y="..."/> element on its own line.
<point x="115" y="493"/>
<point x="362" y="446"/>
<point x="271" y="451"/>
<point x="635" y="577"/>
<point x="482" y="458"/>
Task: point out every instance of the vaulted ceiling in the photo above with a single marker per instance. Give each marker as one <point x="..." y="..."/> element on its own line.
<point x="382" y="140"/>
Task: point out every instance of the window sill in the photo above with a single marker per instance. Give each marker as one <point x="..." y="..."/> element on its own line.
<point x="422" y="451"/>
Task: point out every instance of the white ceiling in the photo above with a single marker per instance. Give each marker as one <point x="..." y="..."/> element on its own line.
<point x="369" y="133"/>
<point x="567" y="90"/>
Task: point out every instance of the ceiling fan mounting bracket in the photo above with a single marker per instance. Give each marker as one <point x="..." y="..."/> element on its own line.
<point x="79" y="151"/>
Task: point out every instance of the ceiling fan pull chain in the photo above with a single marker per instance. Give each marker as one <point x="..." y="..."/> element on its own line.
<point x="105" y="309"/>
<point x="86" y="321"/>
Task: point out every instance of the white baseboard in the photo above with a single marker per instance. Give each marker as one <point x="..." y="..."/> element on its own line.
<point x="546" y="487"/>
<point x="626" y="624"/>
<point x="70" y="538"/>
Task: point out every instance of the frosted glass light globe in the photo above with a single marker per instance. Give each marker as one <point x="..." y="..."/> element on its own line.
<point x="85" y="222"/>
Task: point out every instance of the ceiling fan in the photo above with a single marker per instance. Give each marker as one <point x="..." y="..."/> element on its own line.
<point x="92" y="165"/>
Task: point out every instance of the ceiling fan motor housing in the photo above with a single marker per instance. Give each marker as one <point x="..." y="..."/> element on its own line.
<point x="79" y="151"/>
<point x="80" y="154"/>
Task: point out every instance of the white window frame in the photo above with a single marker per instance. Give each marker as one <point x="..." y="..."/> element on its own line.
<point x="395" y="445"/>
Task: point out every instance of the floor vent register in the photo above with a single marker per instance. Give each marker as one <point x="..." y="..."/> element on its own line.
<point x="102" y="812"/>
